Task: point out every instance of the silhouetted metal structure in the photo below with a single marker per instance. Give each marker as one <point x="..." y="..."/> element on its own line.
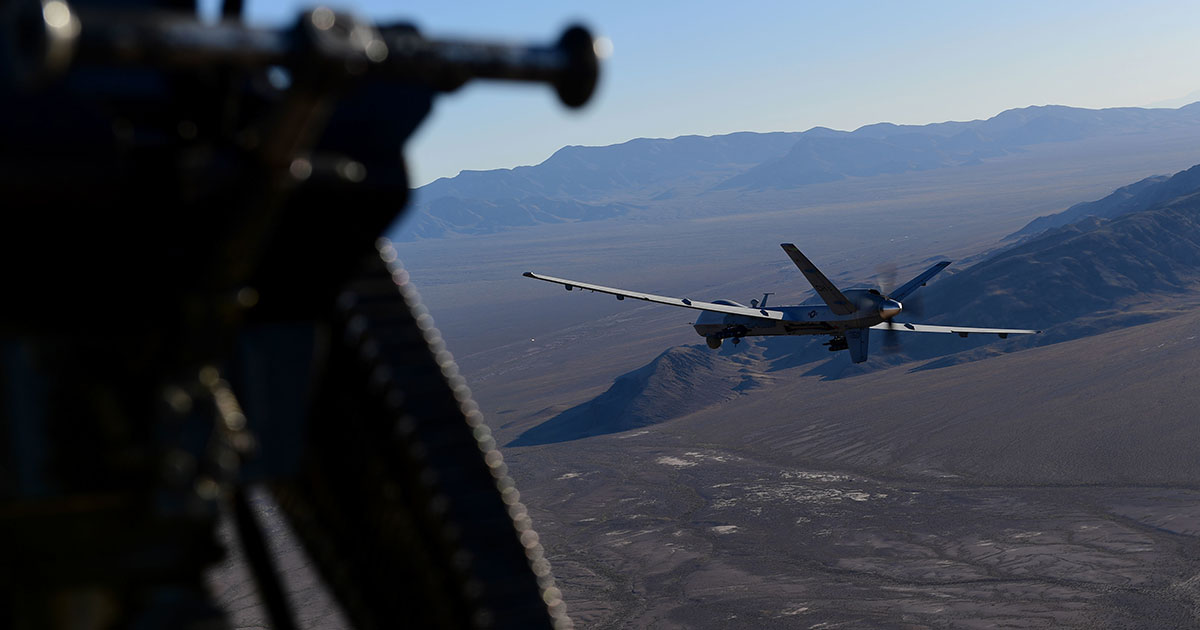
<point x="196" y="302"/>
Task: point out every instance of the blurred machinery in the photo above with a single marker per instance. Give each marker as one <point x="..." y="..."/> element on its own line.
<point x="196" y="302"/>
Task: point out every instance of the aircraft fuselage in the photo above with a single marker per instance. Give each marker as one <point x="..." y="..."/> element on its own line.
<point x="803" y="319"/>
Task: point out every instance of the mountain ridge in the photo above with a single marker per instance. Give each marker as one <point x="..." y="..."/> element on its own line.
<point x="1139" y="195"/>
<point x="635" y="178"/>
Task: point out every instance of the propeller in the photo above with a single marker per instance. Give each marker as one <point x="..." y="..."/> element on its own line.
<point x="886" y="277"/>
<point x="891" y="341"/>
<point x="914" y="302"/>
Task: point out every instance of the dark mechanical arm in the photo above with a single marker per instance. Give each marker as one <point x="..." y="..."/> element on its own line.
<point x="196" y="302"/>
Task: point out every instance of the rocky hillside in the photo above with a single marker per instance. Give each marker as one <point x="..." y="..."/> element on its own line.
<point x="1089" y="267"/>
<point x="1142" y="195"/>
<point x="681" y="380"/>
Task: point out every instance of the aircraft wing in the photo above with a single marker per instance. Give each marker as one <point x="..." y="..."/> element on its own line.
<point x="621" y="294"/>
<point x="961" y="331"/>
<point x="831" y="294"/>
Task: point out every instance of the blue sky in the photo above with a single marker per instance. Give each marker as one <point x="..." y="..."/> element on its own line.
<point x="708" y="67"/>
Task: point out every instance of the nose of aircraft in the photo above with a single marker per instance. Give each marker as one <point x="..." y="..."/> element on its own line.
<point x="889" y="309"/>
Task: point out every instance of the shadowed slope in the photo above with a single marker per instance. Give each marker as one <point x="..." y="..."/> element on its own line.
<point x="1132" y="198"/>
<point x="1070" y="280"/>
<point x="681" y="380"/>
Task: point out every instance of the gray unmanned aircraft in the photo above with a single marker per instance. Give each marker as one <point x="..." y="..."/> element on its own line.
<point x="848" y="316"/>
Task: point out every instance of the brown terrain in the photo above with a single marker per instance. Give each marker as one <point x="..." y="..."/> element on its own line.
<point x="1036" y="489"/>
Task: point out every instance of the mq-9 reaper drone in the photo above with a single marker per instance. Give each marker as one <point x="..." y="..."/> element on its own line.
<point x="848" y="316"/>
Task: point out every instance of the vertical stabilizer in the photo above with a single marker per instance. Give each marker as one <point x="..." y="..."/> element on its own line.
<point x="828" y="292"/>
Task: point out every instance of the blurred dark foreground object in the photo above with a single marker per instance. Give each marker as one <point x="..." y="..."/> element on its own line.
<point x="196" y="302"/>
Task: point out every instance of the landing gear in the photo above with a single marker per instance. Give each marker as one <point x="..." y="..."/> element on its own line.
<point x="733" y="332"/>
<point x="714" y="341"/>
<point x="837" y="343"/>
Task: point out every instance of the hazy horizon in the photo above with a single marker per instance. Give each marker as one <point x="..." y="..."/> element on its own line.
<point x="1174" y="103"/>
<point x="1169" y="103"/>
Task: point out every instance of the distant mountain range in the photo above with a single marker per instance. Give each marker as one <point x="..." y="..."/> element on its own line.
<point x="635" y="178"/>
<point x="584" y="183"/>
<point x="1073" y="277"/>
